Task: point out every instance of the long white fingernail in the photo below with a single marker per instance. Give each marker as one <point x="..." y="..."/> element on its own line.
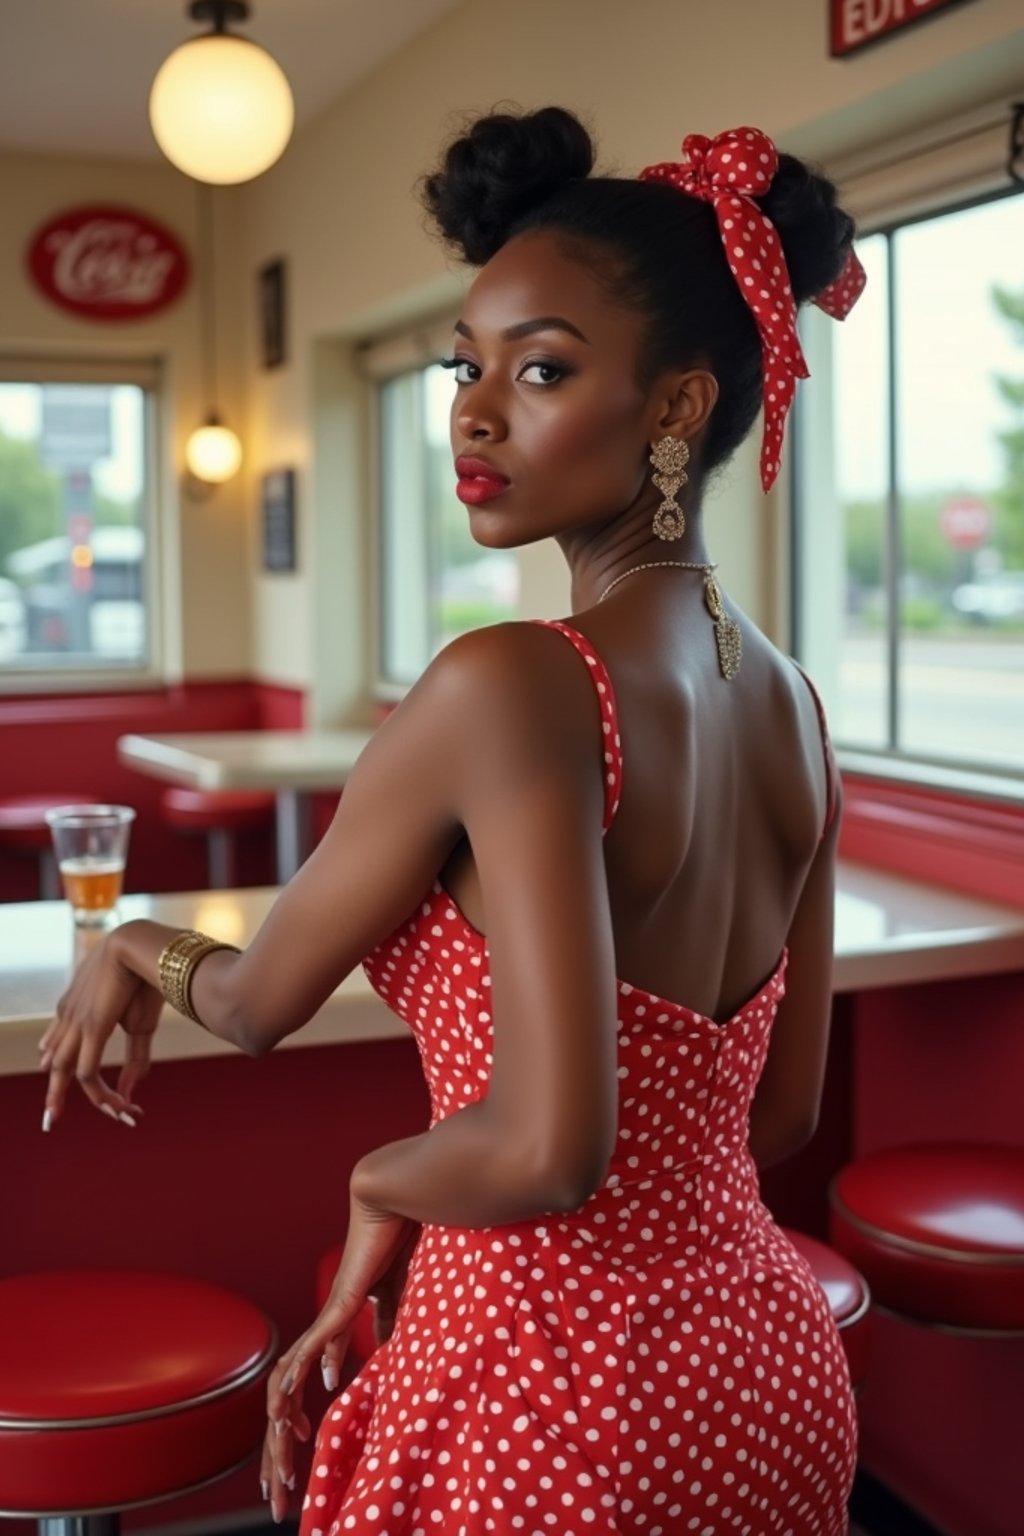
<point x="47" y="1119"/>
<point x="127" y="1119"/>
<point x="264" y="1488"/>
<point x="108" y="1109"/>
<point x="329" y="1371"/>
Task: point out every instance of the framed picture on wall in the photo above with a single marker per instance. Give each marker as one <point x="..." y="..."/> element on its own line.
<point x="278" y="503"/>
<point x="273" y="337"/>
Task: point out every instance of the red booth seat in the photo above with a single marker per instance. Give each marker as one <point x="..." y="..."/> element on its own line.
<point x="938" y="1231"/>
<point x="119" y="1388"/>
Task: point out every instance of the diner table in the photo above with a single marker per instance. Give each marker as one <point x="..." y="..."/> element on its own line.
<point x="889" y="931"/>
<point x="293" y="764"/>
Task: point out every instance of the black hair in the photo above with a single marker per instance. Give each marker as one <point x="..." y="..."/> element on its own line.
<point x="657" y="250"/>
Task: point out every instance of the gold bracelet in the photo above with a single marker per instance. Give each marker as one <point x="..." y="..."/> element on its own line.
<point x="177" y="963"/>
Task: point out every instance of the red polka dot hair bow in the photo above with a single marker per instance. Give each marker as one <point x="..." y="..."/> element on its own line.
<point x="729" y="172"/>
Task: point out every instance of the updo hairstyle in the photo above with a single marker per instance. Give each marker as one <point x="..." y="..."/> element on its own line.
<point x="656" y="249"/>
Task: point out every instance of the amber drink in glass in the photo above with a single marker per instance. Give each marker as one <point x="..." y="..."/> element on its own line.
<point x="90" y="843"/>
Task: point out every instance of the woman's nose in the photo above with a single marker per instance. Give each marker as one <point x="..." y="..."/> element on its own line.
<point x="478" y="414"/>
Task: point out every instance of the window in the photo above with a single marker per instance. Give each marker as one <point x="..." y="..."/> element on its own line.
<point x="75" y="519"/>
<point x="910" y="493"/>
<point x="434" y="581"/>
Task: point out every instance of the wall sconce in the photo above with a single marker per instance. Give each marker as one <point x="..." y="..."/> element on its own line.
<point x="213" y="452"/>
<point x="220" y="107"/>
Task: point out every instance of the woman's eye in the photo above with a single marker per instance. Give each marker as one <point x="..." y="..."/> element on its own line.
<point x="465" y="372"/>
<point x="545" y="373"/>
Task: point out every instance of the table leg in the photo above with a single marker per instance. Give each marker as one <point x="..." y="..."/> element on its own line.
<point x="293" y="832"/>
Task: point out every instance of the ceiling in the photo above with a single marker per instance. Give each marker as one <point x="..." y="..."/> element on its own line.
<point x="75" y="74"/>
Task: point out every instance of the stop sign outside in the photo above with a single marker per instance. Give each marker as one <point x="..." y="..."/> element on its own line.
<point x="966" y="521"/>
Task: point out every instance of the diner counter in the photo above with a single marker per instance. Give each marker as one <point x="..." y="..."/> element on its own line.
<point x="890" y="931"/>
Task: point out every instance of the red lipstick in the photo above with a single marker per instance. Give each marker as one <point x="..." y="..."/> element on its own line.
<point x="478" y="481"/>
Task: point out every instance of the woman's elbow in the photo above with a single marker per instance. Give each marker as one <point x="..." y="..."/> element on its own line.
<point x="571" y="1181"/>
<point x="252" y="1035"/>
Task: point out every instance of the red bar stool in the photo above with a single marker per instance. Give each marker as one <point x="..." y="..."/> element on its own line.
<point x="938" y="1230"/>
<point x="362" y="1340"/>
<point x="23" y="827"/>
<point x="218" y="815"/>
<point x="848" y="1295"/>
<point x="120" y="1388"/>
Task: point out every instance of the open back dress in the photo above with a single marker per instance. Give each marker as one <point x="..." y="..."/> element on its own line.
<point x="660" y="1361"/>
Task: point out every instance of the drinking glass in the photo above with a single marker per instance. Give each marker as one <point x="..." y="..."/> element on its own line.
<point x="91" y="844"/>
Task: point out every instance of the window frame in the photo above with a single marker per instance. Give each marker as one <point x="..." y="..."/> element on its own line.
<point x="945" y="169"/>
<point x="416" y="347"/>
<point x="146" y="374"/>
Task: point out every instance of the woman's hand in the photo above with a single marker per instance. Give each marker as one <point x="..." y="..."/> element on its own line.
<point x="375" y="1240"/>
<point x="103" y="994"/>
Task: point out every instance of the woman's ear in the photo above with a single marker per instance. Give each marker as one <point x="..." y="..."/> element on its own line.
<point x="684" y="402"/>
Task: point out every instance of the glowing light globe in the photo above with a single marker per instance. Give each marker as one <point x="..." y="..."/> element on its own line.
<point x="213" y="453"/>
<point x="221" y="109"/>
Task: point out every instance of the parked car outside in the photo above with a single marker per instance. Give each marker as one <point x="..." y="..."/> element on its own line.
<point x="991" y="599"/>
<point x="13" y="621"/>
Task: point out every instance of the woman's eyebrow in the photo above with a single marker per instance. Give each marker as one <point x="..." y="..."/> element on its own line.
<point x="529" y="327"/>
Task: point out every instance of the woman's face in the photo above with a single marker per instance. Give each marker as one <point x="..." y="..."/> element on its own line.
<point x="550" y="429"/>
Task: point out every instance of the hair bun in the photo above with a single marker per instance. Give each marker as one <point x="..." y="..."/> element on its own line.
<point x="815" y="233"/>
<point x="501" y="169"/>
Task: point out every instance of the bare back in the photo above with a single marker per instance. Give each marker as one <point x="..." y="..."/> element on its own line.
<point x="724" y="799"/>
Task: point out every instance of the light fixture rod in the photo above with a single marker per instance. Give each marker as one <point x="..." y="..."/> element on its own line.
<point x="207" y="295"/>
<point x="219" y="12"/>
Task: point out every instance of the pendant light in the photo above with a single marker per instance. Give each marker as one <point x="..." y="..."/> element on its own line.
<point x="220" y="107"/>
<point x="213" y="452"/>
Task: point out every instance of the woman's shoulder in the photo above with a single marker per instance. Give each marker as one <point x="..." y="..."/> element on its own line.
<point x="520" y="663"/>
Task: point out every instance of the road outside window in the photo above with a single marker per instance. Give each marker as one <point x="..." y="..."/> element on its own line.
<point x="930" y="488"/>
<point x="73" y="527"/>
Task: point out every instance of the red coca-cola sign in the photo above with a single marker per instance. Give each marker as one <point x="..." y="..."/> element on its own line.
<point x="107" y="263"/>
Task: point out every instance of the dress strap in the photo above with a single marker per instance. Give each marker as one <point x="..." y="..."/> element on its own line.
<point x="609" y="715"/>
<point x="831" y="770"/>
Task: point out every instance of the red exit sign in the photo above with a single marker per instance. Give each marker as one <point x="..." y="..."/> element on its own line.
<point x="855" y="23"/>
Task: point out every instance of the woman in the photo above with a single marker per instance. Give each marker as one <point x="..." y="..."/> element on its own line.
<point x="602" y="1330"/>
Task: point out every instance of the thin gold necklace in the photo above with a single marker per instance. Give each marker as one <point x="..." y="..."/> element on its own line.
<point x="728" y="637"/>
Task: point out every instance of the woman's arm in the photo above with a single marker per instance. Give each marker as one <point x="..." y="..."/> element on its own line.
<point x="532" y="805"/>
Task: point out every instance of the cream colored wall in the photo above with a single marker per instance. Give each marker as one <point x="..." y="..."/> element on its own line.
<point x="204" y="563"/>
<point x="340" y="206"/>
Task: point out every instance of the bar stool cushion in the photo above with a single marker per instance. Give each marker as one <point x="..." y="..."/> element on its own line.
<point x="938" y="1231"/>
<point x="362" y="1340"/>
<point x="848" y="1296"/>
<point x="23" y="817"/>
<point x="233" y="810"/>
<point x="120" y="1387"/>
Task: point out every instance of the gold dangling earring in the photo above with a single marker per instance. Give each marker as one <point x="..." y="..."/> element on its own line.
<point x="669" y="455"/>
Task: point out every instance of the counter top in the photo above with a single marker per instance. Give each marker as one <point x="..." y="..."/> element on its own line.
<point x="889" y="931"/>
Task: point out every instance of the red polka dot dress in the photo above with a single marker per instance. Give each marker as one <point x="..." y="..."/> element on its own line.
<point x="660" y="1361"/>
